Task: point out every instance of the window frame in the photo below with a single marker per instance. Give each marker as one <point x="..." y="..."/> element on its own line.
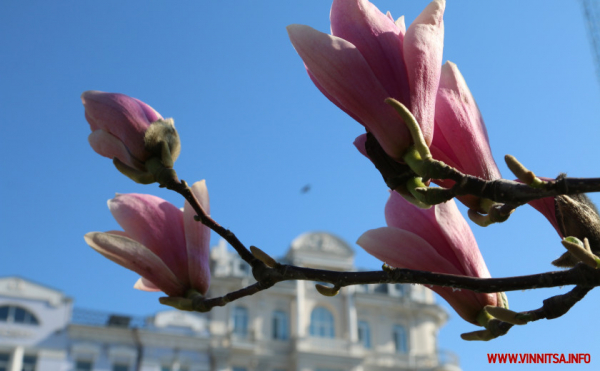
<point x="240" y="318"/>
<point x="322" y="323"/>
<point x="280" y="325"/>
<point x="5" y="363"/>
<point x="27" y="365"/>
<point x="366" y="330"/>
<point x="80" y="361"/>
<point x="13" y="312"/>
<point x="400" y="337"/>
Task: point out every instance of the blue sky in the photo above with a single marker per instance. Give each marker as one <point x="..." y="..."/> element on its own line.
<point x="257" y="129"/>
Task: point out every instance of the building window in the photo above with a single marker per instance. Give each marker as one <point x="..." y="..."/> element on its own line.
<point x="381" y="288"/>
<point x="14" y="314"/>
<point x="401" y="289"/>
<point x="280" y="325"/>
<point x="83" y="366"/>
<point x="4" y="361"/>
<point x="364" y="334"/>
<point x="120" y="367"/>
<point x="29" y="363"/>
<point x="240" y="321"/>
<point x="165" y="368"/>
<point x="321" y="323"/>
<point x="240" y="369"/>
<point x="400" y="339"/>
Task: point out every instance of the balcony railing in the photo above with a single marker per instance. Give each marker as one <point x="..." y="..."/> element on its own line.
<point x="98" y="318"/>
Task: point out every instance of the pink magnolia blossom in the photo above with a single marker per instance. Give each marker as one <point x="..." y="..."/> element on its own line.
<point x="369" y="58"/>
<point x="118" y="124"/>
<point x="461" y="139"/>
<point x="165" y="245"/>
<point x="435" y="240"/>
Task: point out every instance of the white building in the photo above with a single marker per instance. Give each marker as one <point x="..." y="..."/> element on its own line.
<point x="290" y="327"/>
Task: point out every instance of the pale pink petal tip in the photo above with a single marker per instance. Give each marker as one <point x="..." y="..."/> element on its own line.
<point x="143" y="284"/>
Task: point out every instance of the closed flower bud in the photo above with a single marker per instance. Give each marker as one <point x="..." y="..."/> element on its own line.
<point x="130" y="132"/>
<point x="571" y="215"/>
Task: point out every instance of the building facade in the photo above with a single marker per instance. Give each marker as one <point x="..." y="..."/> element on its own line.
<point x="290" y="327"/>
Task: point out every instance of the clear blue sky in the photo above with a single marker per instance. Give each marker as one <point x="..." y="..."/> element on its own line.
<point x="257" y="129"/>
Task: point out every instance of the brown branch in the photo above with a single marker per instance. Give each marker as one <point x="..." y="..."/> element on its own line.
<point x="500" y="190"/>
<point x="201" y="304"/>
<point x="581" y="275"/>
<point x="553" y="307"/>
<point x="183" y="189"/>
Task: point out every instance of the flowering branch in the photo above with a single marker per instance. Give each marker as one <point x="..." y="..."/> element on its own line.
<point x="183" y="189"/>
<point x="388" y="78"/>
<point x="500" y="190"/>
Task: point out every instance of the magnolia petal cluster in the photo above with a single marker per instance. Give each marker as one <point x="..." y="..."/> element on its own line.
<point x="160" y="242"/>
<point x="461" y="138"/>
<point x="369" y="58"/>
<point x="435" y="240"/>
<point x="128" y="130"/>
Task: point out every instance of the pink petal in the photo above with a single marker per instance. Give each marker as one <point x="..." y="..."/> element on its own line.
<point x="460" y="137"/>
<point x="400" y="213"/>
<point x="360" y="143"/>
<point x="401" y="25"/>
<point x="156" y="224"/>
<point x="125" y="117"/>
<point x="459" y="236"/>
<point x="423" y="46"/>
<point x="402" y="249"/>
<point x="143" y="284"/>
<point x="136" y="257"/>
<point x="107" y="145"/>
<point x="389" y="15"/>
<point x="547" y="207"/>
<point x="379" y="41"/>
<point x="332" y="98"/>
<point x="341" y="71"/>
<point x="197" y="237"/>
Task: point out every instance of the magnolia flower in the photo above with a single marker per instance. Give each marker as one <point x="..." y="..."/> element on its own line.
<point x="435" y="240"/>
<point x="128" y="130"/>
<point x="369" y="58"/>
<point x="461" y="139"/>
<point x="165" y="245"/>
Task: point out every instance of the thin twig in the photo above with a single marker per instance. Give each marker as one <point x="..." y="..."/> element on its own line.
<point x="183" y="189"/>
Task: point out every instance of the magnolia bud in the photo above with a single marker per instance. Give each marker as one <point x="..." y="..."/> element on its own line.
<point x="577" y="216"/>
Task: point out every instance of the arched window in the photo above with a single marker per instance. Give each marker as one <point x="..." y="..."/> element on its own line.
<point x="400" y="339"/>
<point x="364" y="334"/>
<point x="321" y="323"/>
<point x="14" y="314"/>
<point x="280" y="325"/>
<point x="240" y="321"/>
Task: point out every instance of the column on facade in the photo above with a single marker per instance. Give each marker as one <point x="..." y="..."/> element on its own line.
<point x="16" y="363"/>
<point x="300" y="309"/>
<point x="351" y="314"/>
